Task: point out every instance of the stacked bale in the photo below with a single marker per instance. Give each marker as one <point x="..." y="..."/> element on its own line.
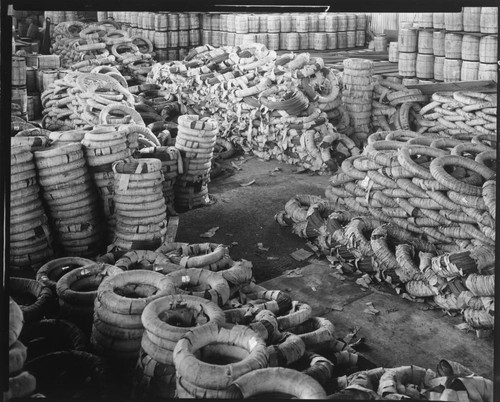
<point x="71" y="199"/>
<point x="30" y="237"/>
<point x="21" y="383"/>
<point x="139" y="203"/>
<point x="77" y="291"/>
<point x="357" y="95"/>
<point x="166" y="320"/>
<point x="196" y="139"/>
<point x="172" y="166"/>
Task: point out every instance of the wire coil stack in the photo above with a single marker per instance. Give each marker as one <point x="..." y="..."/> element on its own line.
<point x="141" y="218"/>
<point x="30" y="237"/>
<point x="71" y="198"/>
<point x="357" y="95"/>
<point x="196" y="139"/>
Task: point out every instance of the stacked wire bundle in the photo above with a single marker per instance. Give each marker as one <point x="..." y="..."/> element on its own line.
<point x="117" y="328"/>
<point x="104" y="145"/>
<point x="30" y="236"/>
<point x="69" y="192"/>
<point x="357" y="95"/>
<point x="141" y="218"/>
<point x="21" y="383"/>
<point x="196" y="139"/>
<point x="172" y="166"/>
<point x="264" y="103"/>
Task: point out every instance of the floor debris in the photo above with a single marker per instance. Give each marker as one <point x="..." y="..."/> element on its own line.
<point x="210" y="232"/>
<point x="301" y="254"/>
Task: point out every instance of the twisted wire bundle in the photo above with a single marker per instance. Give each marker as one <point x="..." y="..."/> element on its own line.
<point x="71" y="199"/>
<point x="30" y="236"/>
<point x="196" y="139"/>
<point x="276" y="107"/>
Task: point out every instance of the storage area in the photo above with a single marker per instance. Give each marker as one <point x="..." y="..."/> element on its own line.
<point x="232" y="205"/>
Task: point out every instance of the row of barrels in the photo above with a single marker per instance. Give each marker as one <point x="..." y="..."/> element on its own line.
<point x="470" y="19"/>
<point x="292" y="41"/>
<point x="445" y="56"/>
<point x="241" y="23"/>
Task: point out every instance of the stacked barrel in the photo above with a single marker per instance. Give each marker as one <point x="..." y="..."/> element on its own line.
<point x="30" y="238"/>
<point x="196" y="138"/>
<point x="451" y="46"/>
<point x="71" y="199"/>
<point x="286" y="31"/>
<point x="172" y="34"/>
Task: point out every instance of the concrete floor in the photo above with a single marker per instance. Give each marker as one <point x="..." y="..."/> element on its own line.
<point x="403" y="332"/>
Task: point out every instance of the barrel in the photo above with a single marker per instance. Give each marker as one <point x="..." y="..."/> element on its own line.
<point x="424" y="20"/>
<point x="48" y="77"/>
<point x="292" y="41"/>
<point x="161" y="22"/>
<point x="18" y="73"/>
<point x="262" y="38"/>
<point x="215" y="22"/>
<point x="424" y="67"/>
<point x="263" y="23"/>
<point x="231" y="37"/>
<point x="173" y="38"/>
<point x="469" y="70"/>
<point x="173" y="22"/>
<point x="321" y="22"/>
<point x="331" y="40"/>
<point x="285" y="23"/>
<point x="161" y="39"/>
<point x="223" y="38"/>
<point x="20" y="97"/>
<point x="283" y="40"/>
<point x="470" y="48"/>
<point x="360" y="38"/>
<point x="194" y="20"/>
<point x="393" y="52"/>
<point x="293" y="21"/>
<point x="231" y="22"/>
<point x="425" y="42"/>
<point x="194" y="37"/>
<point x="342" y="22"/>
<point x="302" y="23"/>
<point x="313" y="22"/>
<point x="453" y="46"/>
<point x="216" y="38"/>
<point x="134" y="20"/>
<point x="173" y="54"/>
<point x="102" y="16"/>
<point x="304" y="40"/>
<point x="407" y="40"/>
<point x="410" y="81"/>
<point x="488" y="49"/>
<point x="360" y="22"/>
<point x="453" y="22"/>
<point x="438" y="20"/>
<point x="183" y="38"/>
<point x="351" y="22"/>
<point x="31" y="79"/>
<point x="161" y="55"/>
<point x="223" y="22"/>
<point x="331" y="22"/>
<point x="241" y="23"/>
<point x="380" y="43"/>
<point x="451" y="70"/>
<point x="273" y="23"/>
<point x="407" y="64"/>
<point x="206" y="22"/>
<point x="351" y="39"/>
<point x="206" y="37"/>
<point x="48" y="61"/>
<point x="438" y="68"/>
<point x="33" y="106"/>
<point x="438" y="43"/>
<point x="471" y="19"/>
<point x="342" y="39"/>
<point x="253" y="23"/>
<point x="183" y="21"/>
<point x="273" y="41"/>
<point x="488" y="72"/>
<point x="488" y="22"/>
<point x="320" y="40"/>
<point x="31" y="60"/>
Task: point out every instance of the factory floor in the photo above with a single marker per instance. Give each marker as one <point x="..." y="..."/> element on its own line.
<point x="400" y="333"/>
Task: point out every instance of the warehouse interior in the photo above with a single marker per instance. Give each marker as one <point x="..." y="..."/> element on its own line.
<point x="250" y="203"/>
